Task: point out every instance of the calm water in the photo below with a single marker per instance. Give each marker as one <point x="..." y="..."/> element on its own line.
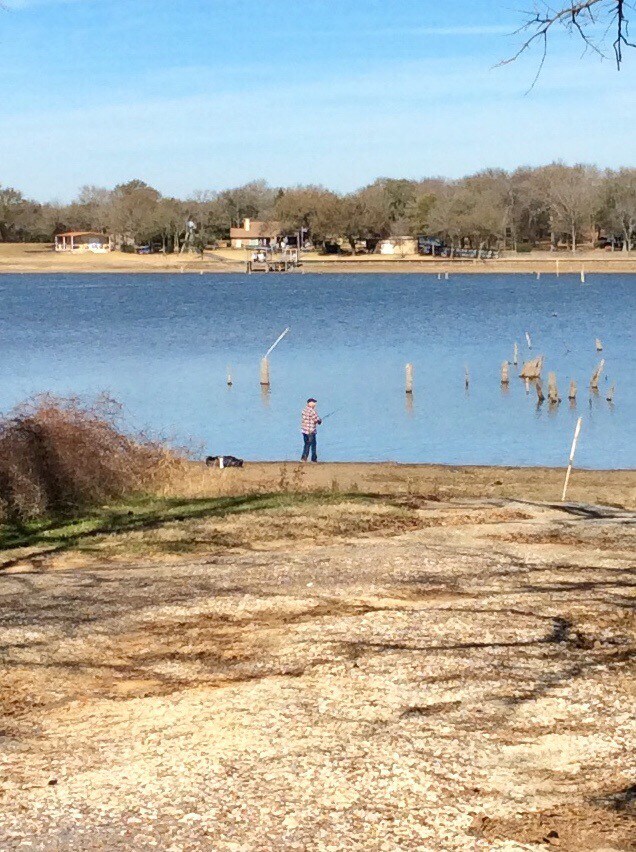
<point x="161" y="344"/>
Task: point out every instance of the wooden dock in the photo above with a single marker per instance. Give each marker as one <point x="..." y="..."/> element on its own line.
<point x="269" y="261"/>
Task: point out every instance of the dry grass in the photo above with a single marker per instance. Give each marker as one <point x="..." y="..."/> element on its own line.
<point x="194" y="480"/>
<point x="168" y="529"/>
<point x="61" y="455"/>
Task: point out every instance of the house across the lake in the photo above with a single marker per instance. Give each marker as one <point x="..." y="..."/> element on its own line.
<point x="83" y="241"/>
<point x="254" y="234"/>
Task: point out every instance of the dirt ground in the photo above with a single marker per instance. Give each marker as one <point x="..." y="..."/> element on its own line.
<point x="352" y="674"/>
<point x="39" y="257"/>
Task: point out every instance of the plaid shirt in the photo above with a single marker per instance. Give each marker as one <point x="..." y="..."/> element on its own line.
<point x="309" y="420"/>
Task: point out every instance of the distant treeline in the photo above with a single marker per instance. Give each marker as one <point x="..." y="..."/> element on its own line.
<point x="555" y="204"/>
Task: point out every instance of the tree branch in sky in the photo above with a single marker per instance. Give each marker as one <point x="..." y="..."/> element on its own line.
<point x="591" y="20"/>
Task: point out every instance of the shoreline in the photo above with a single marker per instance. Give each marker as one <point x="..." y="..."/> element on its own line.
<point x="29" y="258"/>
<point x="434" y="481"/>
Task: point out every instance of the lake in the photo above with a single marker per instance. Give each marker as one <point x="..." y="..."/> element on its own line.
<point x="161" y="344"/>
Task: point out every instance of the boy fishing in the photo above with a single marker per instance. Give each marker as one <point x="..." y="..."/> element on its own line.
<point x="309" y="423"/>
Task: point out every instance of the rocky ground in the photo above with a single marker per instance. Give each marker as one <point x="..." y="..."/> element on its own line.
<point x="463" y="681"/>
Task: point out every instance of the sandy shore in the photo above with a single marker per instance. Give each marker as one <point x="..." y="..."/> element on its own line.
<point x="40" y="258"/>
<point x="609" y="487"/>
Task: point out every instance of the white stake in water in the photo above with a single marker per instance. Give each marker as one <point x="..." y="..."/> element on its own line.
<point x="276" y="342"/>
<point x="572" y="451"/>
<point x="528" y="340"/>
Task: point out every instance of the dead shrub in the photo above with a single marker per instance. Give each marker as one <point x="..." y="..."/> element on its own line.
<point x="62" y="454"/>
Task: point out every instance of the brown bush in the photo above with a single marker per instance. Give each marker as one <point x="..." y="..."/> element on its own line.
<point x="61" y="454"/>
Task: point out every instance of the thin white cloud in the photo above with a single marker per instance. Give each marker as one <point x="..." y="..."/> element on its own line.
<point x="22" y="5"/>
<point x="479" y="29"/>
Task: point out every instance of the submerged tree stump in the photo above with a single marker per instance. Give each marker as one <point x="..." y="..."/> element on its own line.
<point x="409" y="378"/>
<point x="596" y="375"/>
<point x="265" y="372"/>
<point x="553" y="391"/>
<point x="532" y="369"/>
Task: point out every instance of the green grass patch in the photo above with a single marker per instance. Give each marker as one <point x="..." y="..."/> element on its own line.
<point x="146" y="513"/>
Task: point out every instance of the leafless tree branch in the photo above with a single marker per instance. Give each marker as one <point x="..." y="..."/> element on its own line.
<point x="580" y="18"/>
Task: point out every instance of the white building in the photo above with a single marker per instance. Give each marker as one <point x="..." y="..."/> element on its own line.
<point x="81" y="241"/>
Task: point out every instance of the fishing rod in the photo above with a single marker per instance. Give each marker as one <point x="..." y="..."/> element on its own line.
<point x="335" y="411"/>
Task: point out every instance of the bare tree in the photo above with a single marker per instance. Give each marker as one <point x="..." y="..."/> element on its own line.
<point x="314" y="208"/>
<point x="133" y="210"/>
<point x="360" y="219"/>
<point x="572" y="197"/>
<point x="445" y="217"/>
<point x="619" y="213"/>
<point x="252" y="200"/>
<point x="593" y="21"/>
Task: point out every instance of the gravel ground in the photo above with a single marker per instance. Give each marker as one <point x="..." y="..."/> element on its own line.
<point x="465" y="687"/>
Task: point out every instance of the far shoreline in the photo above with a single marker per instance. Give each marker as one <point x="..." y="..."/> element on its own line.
<point x="40" y="259"/>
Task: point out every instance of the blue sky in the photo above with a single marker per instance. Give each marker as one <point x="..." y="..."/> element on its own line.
<point x="204" y="94"/>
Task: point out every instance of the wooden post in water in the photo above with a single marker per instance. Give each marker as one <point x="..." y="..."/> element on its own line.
<point x="409" y="378"/>
<point x="504" y="373"/>
<point x="515" y="357"/>
<point x="599" y="345"/>
<point x="553" y="391"/>
<point x="265" y="360"/>
<point x="538" y="275"/>
<point x="229" y="377"/>
<point x="572" y="391"/>
<point x="528" y="340"/>
<point x="610" y="394"/>
<point x="540" y="396"/>
<point x="527" y="381"/>
<point x="265" y="372"/>
<point x="582" y="276"/>
<point x="572" y="451"/>
<point x="466" y="378"/>
<point x="596" y="375"/>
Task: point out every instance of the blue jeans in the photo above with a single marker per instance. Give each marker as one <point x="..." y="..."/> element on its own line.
<point x="309" y="444"/>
